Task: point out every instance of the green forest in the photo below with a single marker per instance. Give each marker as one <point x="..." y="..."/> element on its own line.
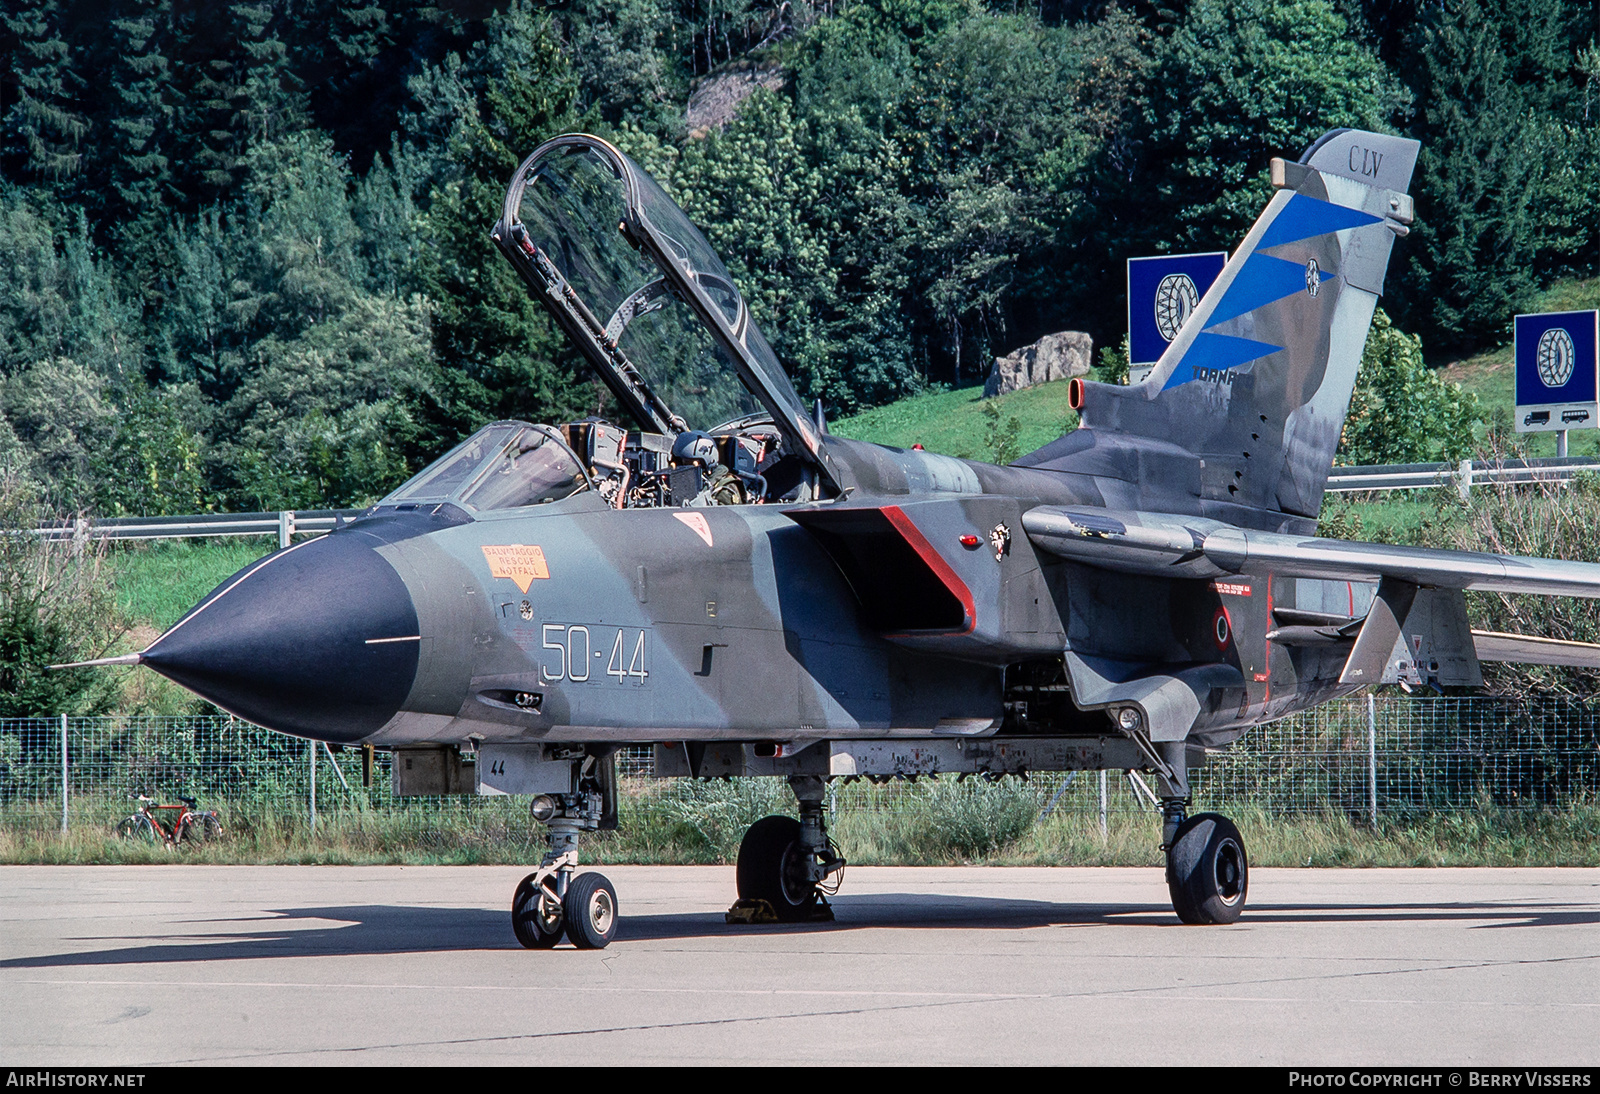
<point x="245" y="245"/>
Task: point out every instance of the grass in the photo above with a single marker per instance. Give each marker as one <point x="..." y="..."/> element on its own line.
<point x="953" y="423"/>
<point x="938" y="828"/>
<point x="1400" y="516"/>
<point x="158" y="582"/>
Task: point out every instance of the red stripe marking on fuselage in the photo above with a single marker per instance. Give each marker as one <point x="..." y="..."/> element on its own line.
<point x="935" y="562"/>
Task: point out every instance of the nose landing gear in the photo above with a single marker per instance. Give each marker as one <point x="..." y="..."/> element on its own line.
<point x="555" y="899"/>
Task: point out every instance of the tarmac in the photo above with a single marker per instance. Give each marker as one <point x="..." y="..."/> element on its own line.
<point x="124" y="967"/>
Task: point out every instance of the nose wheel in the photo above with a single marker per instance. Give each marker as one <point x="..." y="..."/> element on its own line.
<point x="590" y="909"/>
<point x="555" y="899"/>
<point x="537" y="916"/>
<point x="586" y="913"/>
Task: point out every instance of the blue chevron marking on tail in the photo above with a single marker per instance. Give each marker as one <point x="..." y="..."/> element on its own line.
<point x="1304" y="217"/>
<point x="1218" y="351"/>
<point x="1262" y="280"/>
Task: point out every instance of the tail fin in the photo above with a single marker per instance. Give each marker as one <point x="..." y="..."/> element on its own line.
<point x="1256" y="385"/>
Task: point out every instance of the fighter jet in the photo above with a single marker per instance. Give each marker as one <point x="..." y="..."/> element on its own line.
<point x="710" y="573"/>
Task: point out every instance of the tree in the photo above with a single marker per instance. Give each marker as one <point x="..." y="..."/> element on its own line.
<point x="1401" y="411"/>
<point x="45" y="126"/>
<point x="1235" y="84"/>
<point x="139" y="179"/>
<point x="498" y="354"/>
<point x="62" y="298"/>
<point x="64" y="417"/>
<point x="326" y="418"/>
<point x="155" y="462"/>
<point x="753" y="190"/>
<point x="238" y="89"/>
<point x="1473" y="249"/>
<point x="620" y="51"/>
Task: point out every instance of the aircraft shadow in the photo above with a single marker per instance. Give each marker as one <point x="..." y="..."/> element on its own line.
<point x="391" y="929"/>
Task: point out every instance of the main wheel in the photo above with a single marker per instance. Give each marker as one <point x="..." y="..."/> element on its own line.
<point x="536" y="917"/>
<point x="1207" y="872"/>
<point x="591" y="911"/>
<point x="772" y="867"/>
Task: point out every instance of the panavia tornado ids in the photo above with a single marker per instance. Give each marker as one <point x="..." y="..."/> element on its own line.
<point x="711" y="574"/>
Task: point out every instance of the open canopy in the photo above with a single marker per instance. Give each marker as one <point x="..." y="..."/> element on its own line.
<point x="637" y="287"/>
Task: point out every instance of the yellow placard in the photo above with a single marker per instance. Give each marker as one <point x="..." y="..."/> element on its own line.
<point x="520" y="563"/>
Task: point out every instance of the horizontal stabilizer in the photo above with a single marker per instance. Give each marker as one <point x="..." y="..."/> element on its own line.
<point x="1524" y="649"/>
<point x="1170" y="545"/>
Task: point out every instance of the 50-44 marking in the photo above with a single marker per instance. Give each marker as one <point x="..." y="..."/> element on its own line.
<point x="569" y="651"/>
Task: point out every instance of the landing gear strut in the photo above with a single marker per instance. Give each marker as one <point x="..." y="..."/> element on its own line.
<point x="785" y="863"/>
<point x="1207" y="871"/>
<point x="555" y="899"/>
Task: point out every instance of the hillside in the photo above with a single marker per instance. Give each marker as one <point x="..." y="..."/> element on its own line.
<point x="954" y="423"/>
<point x="1491" y="375"/>
<point x="247" y="240"/>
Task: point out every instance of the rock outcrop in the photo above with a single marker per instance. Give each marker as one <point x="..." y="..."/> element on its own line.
<point x="717" y="99"/>
<point x="1058" y="356"/>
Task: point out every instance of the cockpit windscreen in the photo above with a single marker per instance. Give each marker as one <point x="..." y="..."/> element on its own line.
<point x="506" y="465"/>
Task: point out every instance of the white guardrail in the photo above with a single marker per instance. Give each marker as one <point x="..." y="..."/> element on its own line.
<point x="285" y="525"/>
<point x="1463" y="476"/>
<point x="289" y="523"/>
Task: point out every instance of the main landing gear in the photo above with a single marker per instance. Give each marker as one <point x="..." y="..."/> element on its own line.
<point x="784" y="864"/>
<point x="1207" y="871"/>
<point x="555" y="899"/>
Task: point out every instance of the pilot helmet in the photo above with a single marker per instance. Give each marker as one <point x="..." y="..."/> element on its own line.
<point x="694" y="446"/>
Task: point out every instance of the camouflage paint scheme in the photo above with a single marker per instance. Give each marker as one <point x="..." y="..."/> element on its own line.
<point x="891" y="593"/>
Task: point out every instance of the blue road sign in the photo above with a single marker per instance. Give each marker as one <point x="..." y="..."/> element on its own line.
<point x="1162" y="291"/>
<point x="1558" y="371"/>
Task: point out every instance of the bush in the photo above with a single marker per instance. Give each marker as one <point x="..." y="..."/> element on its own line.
<point x="1401" y="412"/>
<point x="972" y="818"/>
<point x="1544" y="521"/>
<point x="56" y="605"/>
<point x="715" y="813"/>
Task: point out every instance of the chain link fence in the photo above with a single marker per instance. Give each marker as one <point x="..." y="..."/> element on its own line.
<point x="1391" y="758"/>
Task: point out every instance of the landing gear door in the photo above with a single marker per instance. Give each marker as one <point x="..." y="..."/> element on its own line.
<point x="637" y="287"/>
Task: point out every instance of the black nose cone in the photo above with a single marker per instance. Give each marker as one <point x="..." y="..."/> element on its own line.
<point x="320" y="640"/>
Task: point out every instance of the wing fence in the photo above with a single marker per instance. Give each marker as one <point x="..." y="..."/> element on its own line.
<point x="1390" y="758"/>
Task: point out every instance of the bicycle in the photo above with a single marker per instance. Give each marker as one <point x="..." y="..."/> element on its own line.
<point x="173" y="825"/>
